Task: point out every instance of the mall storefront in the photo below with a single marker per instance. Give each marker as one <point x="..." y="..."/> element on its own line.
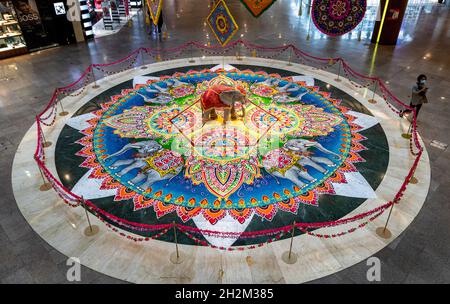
<point x="30" y="25"/>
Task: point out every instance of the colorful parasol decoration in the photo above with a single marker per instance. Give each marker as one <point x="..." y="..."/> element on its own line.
<point x="155" y="7"/>
<point x="257" y="7"/>
<point x="337" y="17"/>
<point x="222" y="23"/>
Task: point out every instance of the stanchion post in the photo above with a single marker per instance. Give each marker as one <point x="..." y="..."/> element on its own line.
<point x="238" y="54"/>
<point x="408" y="135"/>
<point x="62" y="113"/>
<point x="45" y="185"/>
<point x="46" y="143"/>
<point x="290" y="56"/>
<point x="384" y="232"/>
<point x="191" y="53"/>
<point x="290" y="257"/>
<point x="175" y="257"/>
<point x="143" y="67"/>
<point x="95" y="86"/>
<point x="309" y="23"/>
<point x="176" y="241"/>
<point x="413" y="180"/>
<point x="372" y="100"/>
<point x="338" y="79"/>
<point x="91" y="229"/>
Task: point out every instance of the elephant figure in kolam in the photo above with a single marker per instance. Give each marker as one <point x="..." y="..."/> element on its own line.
<point x="291" y="161"/>
<point x="153" y="161"/>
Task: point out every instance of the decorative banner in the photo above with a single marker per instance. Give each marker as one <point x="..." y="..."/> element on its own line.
<point x="155" y="7"/>
<point x="222" y="23"/>
<point x="337" y="17"/>
<point x="106" y="10"/>
<point x="257" y="7"/>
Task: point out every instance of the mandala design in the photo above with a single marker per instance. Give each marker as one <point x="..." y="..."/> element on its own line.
<point x="165" y="157"/>
<point x="222" y="23"/>
<point x="182" y="91"/>
<point x="263" y="90"/>
<point x="337" y="17"/>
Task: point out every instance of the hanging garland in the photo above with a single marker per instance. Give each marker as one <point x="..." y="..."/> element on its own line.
<point x="155" y="7"/>
<point x="222" y="23"/>
<point x="337" y="17"/>
<point x="257" y="7"/>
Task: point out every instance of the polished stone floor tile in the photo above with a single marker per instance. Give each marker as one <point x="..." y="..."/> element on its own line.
<point x="421" y="255"/>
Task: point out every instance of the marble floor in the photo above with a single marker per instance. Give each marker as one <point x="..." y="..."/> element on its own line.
<point x="420" y="254"/>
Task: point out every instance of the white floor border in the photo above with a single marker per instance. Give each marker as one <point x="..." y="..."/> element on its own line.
<point x="148" y="262"/>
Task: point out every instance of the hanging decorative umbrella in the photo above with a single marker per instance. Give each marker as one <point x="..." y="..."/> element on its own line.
<point x="337" y="17"/>
<point x="222" y="23"/>
<point x="257" y="7"/>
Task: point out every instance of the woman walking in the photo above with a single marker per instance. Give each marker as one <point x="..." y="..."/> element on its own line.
<point x="418" y="95"/>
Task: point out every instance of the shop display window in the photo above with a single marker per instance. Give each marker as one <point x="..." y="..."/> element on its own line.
<point x="11" y="37"/>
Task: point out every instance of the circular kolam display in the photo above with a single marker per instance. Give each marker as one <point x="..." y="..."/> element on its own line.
<point x="292" y="153"/>
<point x="337" y="17"/>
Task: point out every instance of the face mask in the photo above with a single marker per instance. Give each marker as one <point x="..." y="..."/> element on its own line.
<point x="423" y="81"/>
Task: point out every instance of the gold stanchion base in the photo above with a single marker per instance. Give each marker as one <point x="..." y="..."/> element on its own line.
<point x="383" y="233"/>
<point x="176" y="260"/>
<point x="239" y="58"/>
<point x="95" y="86"/>
<point x="45" y="187"/>
<point x="413" y="180"/>
<point x="289" y="260"/>
<point x="406" y="136"/>
<point x="89" y="232"/>
<point x="338" y="80"/>
<point x="63" y="113"/>
<point x="47" y="144"/>
<point x="373" y="101"/>
<point x="191" y="61"/>
<point x="289" y="64"/>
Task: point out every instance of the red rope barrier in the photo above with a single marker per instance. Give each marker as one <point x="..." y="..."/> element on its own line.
<point x="74" y="200"/>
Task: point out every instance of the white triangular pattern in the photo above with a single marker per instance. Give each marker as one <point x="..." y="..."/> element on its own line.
<point x="356" y="186"/>
<point x="363" y="120"/>
<point x="226" y="67"/>
<point x="227" y="224"/>
<point x="80" y="122"/>
<point x="143" y="79"/>
<point x="89" y="188"/>
<point x="309" y="80"/>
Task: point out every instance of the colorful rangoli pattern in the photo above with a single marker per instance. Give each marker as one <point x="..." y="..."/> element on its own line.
<point x="220" y="166"/>
<point x="337" y="17"/>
